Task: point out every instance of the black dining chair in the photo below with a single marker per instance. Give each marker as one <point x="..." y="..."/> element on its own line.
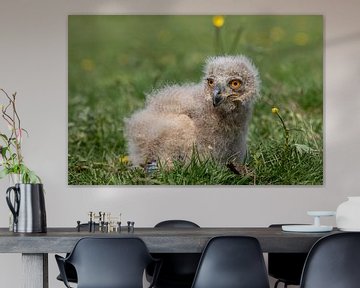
<point x="178" y="269"/>
<point x="333" y="262"/>
<point x="232" y="262"/>
<point x="70" y="271"/>
<point x="286" y="267"/>
<point x="108" y="263"/>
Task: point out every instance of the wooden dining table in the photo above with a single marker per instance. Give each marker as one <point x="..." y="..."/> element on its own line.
<point x="35" y="247"/>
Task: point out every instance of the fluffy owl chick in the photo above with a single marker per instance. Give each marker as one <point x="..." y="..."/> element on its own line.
<point x="211" y="117"/>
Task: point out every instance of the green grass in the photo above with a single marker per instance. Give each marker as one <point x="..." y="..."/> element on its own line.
<point x="115" y="60"/>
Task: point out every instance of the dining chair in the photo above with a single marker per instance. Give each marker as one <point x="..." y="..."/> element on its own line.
<point x="231" y="262"/>
<point x="108" y="263"/>
<point x="178" y="269"/>
<point x="285" y="267"/>
<point x="70" y="271"/>
<point x="333" y="262"/>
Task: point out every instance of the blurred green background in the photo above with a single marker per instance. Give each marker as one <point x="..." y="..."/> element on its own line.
<point x="114" y="61"/>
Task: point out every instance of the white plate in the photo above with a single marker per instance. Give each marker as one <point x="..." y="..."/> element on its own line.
<point x="321" y="213"/>
<point x="306" y="228"/>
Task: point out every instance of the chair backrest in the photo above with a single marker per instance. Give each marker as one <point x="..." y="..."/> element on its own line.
<point x="232" y="262"/>
<point x="110" y="262"/>
<point x="178" y="269"/>
<point x="333" y="262"/>
<point x="176" y="224"/>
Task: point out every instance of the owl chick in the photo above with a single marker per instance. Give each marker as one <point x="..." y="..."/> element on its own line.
<point x="211" y="117"/>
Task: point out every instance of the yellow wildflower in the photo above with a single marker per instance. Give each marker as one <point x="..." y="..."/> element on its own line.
<point x="275" y="110"/>
<point x="87" y="65"/>
<point x="218" y="21"/>
<point x="277" y="33"/>
<point x="301" y="39"/>
<point x="124" y="160"/>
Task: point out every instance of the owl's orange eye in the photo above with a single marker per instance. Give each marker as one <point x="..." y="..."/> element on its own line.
<point x="235" y="84"/>
<point x="211" y="82"/>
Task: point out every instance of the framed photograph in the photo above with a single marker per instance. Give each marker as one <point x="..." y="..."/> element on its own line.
<point x="195" y="100"/>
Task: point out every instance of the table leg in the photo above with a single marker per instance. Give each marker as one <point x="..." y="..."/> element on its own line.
<point x="35" y="270"/>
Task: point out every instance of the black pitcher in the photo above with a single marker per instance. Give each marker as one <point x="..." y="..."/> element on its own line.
<point x="28" y="207"/>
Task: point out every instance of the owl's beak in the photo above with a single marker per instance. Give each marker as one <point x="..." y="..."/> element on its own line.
<point x="217" y="97"/>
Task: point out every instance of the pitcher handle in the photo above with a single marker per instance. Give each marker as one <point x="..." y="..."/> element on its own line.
<point x="13" y="208"/>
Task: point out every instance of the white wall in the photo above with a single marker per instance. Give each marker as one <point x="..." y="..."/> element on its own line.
<point x="33" y="62"/>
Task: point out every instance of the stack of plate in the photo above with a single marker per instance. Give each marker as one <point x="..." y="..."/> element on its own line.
<point x="316" y="227"/>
